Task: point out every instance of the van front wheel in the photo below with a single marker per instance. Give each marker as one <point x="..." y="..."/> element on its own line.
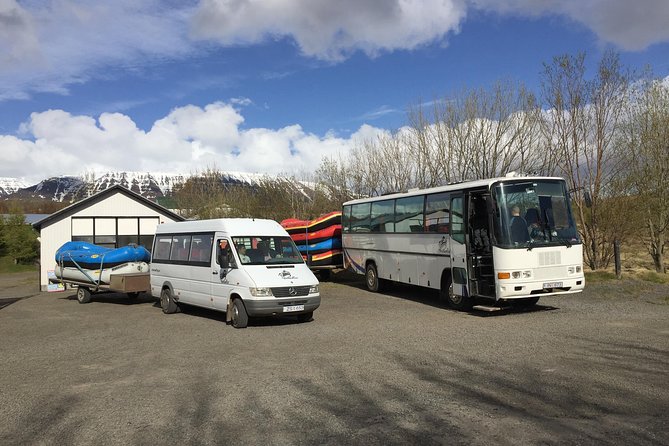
<point x="240" y="319"/>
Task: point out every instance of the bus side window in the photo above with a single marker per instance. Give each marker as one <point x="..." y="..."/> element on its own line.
<point x="457" y="219"/>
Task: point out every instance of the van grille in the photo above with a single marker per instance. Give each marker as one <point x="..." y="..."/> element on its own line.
<point x="286" y="291"/>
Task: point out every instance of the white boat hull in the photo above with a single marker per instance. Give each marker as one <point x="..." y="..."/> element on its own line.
<point x="94" y="276"/>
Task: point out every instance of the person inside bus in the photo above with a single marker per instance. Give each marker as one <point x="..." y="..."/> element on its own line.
<point x="243" y="257"/>
<point x="519" y="233"/>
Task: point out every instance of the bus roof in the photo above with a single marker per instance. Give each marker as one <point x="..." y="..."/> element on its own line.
<point x="231" y="226"/>
<point x="450" y="187"/>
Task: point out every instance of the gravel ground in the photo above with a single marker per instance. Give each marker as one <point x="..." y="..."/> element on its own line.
<point x="393" y="368"/>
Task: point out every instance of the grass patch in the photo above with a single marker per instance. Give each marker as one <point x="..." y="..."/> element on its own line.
<point x="7" y="266"/>
<point x="652" y="276"/>
<point x="599" y="276"/>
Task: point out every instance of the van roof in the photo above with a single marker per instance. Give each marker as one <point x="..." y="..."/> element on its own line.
<point x="231" y="226"/>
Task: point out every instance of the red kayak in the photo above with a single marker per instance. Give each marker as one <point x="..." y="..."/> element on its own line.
<point x="317" y="236"/>
<point x="295" y="226"/>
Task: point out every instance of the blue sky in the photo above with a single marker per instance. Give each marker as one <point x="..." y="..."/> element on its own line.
<point x="270" y="87"/>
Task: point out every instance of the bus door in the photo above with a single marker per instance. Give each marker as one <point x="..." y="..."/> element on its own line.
<point x="458" y="246"/>
<point x="480" y="264"/>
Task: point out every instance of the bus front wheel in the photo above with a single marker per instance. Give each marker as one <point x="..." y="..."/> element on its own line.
<point x="461" y="303"/>
<point x="372" y="278"/>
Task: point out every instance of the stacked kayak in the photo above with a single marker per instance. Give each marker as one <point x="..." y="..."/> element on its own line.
<point x="318" y="240"/>
<point x="86" y="262"/>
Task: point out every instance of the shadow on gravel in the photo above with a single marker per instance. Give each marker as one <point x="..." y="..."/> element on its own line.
<point x="115" y="298"/>
<point x="428" y="296"/>
<point x="253" y="322"/>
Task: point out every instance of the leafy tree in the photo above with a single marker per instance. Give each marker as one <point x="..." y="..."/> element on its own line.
<point x="20" y="239"/>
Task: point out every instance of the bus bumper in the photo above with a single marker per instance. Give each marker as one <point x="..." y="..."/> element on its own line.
<point x="508" y="289"/>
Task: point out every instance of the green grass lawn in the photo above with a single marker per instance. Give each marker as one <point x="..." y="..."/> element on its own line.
<point x="7" y="266"/>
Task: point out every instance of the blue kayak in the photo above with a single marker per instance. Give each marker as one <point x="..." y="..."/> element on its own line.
<point x="89" y="256"/>
<point x="325" y="245"/>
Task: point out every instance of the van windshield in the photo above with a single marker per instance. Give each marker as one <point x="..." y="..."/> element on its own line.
<point x="266" y="250"/>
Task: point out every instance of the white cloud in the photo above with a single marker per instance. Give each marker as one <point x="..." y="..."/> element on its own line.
<point x="631" y="25"/>
<point x="330" y="30"/>
<point x="47" y="45"/>
<point x="188" y="139"/>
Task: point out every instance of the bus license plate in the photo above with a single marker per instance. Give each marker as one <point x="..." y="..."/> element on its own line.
<point x="289" y="308"/>
<point x="552" y="285"/>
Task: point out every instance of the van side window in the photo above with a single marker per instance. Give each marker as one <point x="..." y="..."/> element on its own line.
<point x="225" y="250"/>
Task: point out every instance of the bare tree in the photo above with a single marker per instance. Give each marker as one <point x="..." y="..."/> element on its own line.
<point x="644" y="147"/>
<point x="584" y="118"/>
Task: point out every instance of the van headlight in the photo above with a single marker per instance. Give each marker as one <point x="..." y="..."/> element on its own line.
<point x="313" y="289"/>
<point x="261" y="292"/>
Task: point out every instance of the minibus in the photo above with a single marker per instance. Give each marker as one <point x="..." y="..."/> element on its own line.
<point x="244" y="267"/>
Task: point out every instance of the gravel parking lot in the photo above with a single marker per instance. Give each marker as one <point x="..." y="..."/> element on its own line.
<point x="394" y="368"/>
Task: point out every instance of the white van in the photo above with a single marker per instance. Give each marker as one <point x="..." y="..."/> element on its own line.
<point x="244" y="267"/>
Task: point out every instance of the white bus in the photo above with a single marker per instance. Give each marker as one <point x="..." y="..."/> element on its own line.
<point x="504" y="239"/>
<point x="244" y="267"/>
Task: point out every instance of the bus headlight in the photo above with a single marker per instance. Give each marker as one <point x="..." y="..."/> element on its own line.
<point x="313" y="289"/>
<point x="527" y="274"/>
<point x="261" y="292"/>
<point x="515" y="274"/>
<point x="578" y="268"/>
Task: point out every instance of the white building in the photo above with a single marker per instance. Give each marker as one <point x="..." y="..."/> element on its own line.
<point x="113" y="217"/>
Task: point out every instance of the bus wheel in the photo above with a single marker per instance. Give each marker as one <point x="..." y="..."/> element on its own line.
<point x="457" y="302"/>
<point x="167" y="302"/>
<point x="240" y="319"/>
<point x="372" y="278"/>
<point x="83" y="295"/>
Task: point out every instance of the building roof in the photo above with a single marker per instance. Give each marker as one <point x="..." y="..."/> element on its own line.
<point x="102" y="195"/>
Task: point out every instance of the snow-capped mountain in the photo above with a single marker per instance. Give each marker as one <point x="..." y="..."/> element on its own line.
<point x="148" y="184"/>
<point x="10" y="185"/>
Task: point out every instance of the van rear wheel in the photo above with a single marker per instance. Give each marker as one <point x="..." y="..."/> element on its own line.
<point x="167" y="302"/>
<point x="240" y="319"/>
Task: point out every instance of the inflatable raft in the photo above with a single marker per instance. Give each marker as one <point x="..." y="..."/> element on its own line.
<point x="86" y="262"/>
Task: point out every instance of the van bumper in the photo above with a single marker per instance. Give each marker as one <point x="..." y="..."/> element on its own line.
<point x="274" y="307"/>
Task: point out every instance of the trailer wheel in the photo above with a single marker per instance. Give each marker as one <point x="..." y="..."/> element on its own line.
<point x="372" y="278"/>
<point x="133" y="295"/>
<point x="240" y="319"/>
<point x="83" y="295"/>
<point x="324" y="275"/>
<point x="167" y="302"/>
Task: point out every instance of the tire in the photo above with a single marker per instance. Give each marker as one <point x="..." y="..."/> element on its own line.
<point x="372" y="278"/>
<point x="324" y="275"/>
<point x="83" y="295"/>
<point x="167" y="302"/>
<point x="133" y="295"/>
<point x="240" y="319"/>
<point x="524" y="303"/>
<point x="306" y="317"/>
<point x="456" y="302"/>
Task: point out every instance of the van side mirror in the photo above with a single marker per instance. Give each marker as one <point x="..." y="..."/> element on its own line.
<point x="223" y="260"/>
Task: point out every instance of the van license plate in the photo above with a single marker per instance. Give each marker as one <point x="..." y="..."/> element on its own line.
<point x="553" y="285"/>
<point x="289" y="308"/>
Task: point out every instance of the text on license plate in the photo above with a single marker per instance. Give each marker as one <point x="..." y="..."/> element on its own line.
<point x="553" y="285"/>
<point x="289" y="308"/>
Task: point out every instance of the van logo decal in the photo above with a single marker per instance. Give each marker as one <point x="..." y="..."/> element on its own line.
<point x="286" y="275"/>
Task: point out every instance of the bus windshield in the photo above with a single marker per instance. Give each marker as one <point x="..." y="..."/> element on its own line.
<point x="265" y="250"/>
<point x="532" y="213"/>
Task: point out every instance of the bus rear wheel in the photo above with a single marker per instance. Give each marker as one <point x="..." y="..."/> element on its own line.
<point x="372" y="278"/>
